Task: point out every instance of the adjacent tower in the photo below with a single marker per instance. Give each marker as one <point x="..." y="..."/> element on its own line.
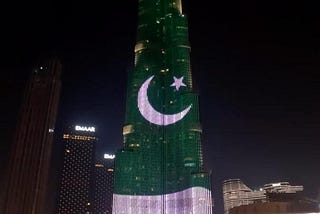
<point x="103" y="184"/>
<point x="77" y="172"/>
<point x="27" y="173"/>
<point x="160" y="168"/>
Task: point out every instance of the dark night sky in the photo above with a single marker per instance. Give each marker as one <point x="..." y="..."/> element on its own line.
<point x="255" y="65"/>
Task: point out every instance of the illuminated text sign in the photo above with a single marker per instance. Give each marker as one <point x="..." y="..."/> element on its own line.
<point x="108" y="156"/>
<point x="85" y="129"/>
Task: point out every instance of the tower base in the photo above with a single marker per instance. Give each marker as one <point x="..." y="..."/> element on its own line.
<point x="195" y="200"/>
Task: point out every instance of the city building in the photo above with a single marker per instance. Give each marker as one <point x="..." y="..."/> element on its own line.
<point x="77" y="171"/>
<point x="160" y="168"/>
<point x="282" y="187"/>
<point x="26" y="179"/>
<point x="238" y="197"/>
<point x="289" y="206"/>
<point x="236" y="193"/>
<point x="103" y="184"/>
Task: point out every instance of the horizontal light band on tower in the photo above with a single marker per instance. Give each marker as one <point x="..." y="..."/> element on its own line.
<point x="195" y="200"/>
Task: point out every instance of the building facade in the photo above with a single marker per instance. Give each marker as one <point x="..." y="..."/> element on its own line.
<point x="103" y="184"/>
<point x="77" y="170"/>
<point x="282" y="187"/>
<point x="276" y="207"/>
<point x="26" y="180"/>
<point x="160" y="168"/>
<point x="237" y="194"/>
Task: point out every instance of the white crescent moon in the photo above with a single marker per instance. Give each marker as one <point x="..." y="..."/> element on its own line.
<point x="152" y="115"/>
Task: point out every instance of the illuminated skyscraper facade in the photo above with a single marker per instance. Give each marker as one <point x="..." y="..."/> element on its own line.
<point x="26" y="182"/>
<point x="77" y="170"/>
<point x="103" y="184"/>
<point x="160" y="168"/>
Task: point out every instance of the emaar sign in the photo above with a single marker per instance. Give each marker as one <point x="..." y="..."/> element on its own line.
<point x="109" y="156"/>
<point x="85" y="129"/>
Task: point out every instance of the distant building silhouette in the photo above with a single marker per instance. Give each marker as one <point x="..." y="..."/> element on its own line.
<point x="26" y="177"/>
<point x="236" y="194"/>
<point x="290" y="206"/>
<point x="77" y="171"/>
<point x="103" y="184"/>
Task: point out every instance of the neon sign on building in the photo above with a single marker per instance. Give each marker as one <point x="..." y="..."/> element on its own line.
<point x="85" y="129"/>
<point x="109" y="156"/>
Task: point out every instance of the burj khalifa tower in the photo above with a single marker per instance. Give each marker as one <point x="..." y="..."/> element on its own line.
<point x="160" y="169"/>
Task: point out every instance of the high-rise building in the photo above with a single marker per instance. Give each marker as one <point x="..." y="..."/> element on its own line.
<point x="103" y="184"/>
<point x="26" y="180"/>
<point x="236" y="194"/>
<point x="77" y="170"/>
<point x="160" y="168"/>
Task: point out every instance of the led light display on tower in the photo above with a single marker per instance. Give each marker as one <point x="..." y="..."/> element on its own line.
<point x="160" y="168"/>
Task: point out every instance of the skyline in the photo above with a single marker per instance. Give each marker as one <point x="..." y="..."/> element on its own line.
<point x="257" y="76"/>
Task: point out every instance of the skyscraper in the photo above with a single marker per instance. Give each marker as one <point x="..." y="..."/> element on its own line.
<point x="103" y="184"/>
<point x="160" y="168"/>
<point x="77" y="170"/>
<point x="27" y="173"/>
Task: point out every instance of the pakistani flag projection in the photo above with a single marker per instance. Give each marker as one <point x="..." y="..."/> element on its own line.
<point x="160" y="170"/>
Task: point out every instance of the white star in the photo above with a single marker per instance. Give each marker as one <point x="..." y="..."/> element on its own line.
<point x="178" y="82"/>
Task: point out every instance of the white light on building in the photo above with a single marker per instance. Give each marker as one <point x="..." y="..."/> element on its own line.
<point x="85" y="128"/>
<point x="109" y="156"/>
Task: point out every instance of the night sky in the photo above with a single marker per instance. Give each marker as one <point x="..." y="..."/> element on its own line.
<point x="255" y="65"/>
